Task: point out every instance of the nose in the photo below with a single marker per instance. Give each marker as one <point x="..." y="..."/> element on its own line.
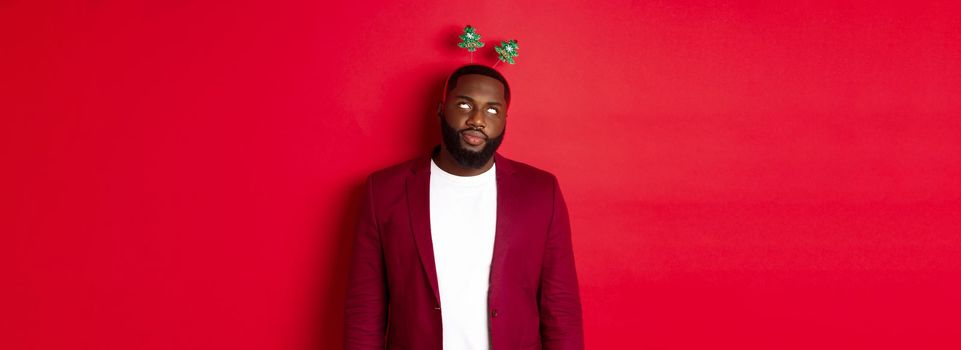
<point x="476" y="119"/>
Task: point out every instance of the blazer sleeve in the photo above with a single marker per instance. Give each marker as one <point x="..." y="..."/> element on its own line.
<point x="560" y="305"/>
<point x="365" y="310"/>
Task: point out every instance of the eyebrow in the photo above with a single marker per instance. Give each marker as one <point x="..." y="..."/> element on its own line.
<point x="472" y="100"/>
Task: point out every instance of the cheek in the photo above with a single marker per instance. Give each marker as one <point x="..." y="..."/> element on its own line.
<point x="451" y="121"/>
<point x="499" y="127"/>
<point x="455" y="116"/>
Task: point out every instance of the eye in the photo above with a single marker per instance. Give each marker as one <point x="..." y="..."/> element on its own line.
<point x="463" y="105"/>
<point x="491" y="110"/>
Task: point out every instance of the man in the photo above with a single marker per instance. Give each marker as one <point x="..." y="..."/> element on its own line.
<point x="463" y="248"/>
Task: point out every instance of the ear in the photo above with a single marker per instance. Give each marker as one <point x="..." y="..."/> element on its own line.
<point x="440" y="107"/>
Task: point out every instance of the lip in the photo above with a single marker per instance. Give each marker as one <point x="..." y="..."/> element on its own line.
<point x="473" y="137"/>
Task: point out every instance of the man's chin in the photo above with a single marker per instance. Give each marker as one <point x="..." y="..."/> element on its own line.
<point x="470" y="152"/>
<point x="469" y="158"/>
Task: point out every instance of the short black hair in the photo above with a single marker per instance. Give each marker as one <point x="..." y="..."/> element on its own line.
<point x="482" y="70"/>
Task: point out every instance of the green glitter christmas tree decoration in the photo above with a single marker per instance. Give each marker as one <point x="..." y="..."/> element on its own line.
<point x="470" y="40"/>
<point x="506" y="52"/>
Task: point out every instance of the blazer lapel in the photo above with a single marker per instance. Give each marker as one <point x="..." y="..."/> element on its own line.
<point x="418" y="203"/>
<point x="506" y="189"/>
<point x="418" y="197"/>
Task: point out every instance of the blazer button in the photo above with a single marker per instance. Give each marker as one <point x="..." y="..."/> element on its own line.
<point x="494" y="313"/>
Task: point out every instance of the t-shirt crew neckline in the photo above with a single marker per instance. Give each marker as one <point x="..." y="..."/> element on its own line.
<point x="479" y="179"/>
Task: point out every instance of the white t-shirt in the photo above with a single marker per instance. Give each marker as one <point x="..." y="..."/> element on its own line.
<point x="463" y="215"/>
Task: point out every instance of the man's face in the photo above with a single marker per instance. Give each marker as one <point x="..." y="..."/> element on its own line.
<point x="473" y="119"/>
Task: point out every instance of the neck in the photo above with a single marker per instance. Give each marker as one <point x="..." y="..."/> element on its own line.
<point x="446" y="162"/>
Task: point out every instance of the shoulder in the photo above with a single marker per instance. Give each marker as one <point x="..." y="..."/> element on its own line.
<point x="535" y="191"/>
<point x="529" y="177"/>
<point x="526" y="172"/>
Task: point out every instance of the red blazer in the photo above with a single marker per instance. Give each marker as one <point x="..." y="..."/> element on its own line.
<point x="533" y="299"/>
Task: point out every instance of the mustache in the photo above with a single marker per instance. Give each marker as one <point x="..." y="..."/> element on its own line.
<point x="461" y="131"/>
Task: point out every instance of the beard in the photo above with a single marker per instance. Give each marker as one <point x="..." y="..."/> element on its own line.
<point x="465" y="157"/>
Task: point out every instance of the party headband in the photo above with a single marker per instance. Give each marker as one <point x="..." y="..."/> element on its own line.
<point x="470" y="40"/>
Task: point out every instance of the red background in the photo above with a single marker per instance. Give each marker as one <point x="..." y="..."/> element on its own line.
<point x="751" y="175"/>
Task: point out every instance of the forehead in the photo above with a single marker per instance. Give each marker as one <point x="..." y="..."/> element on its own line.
<point x="479" y="87"/>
